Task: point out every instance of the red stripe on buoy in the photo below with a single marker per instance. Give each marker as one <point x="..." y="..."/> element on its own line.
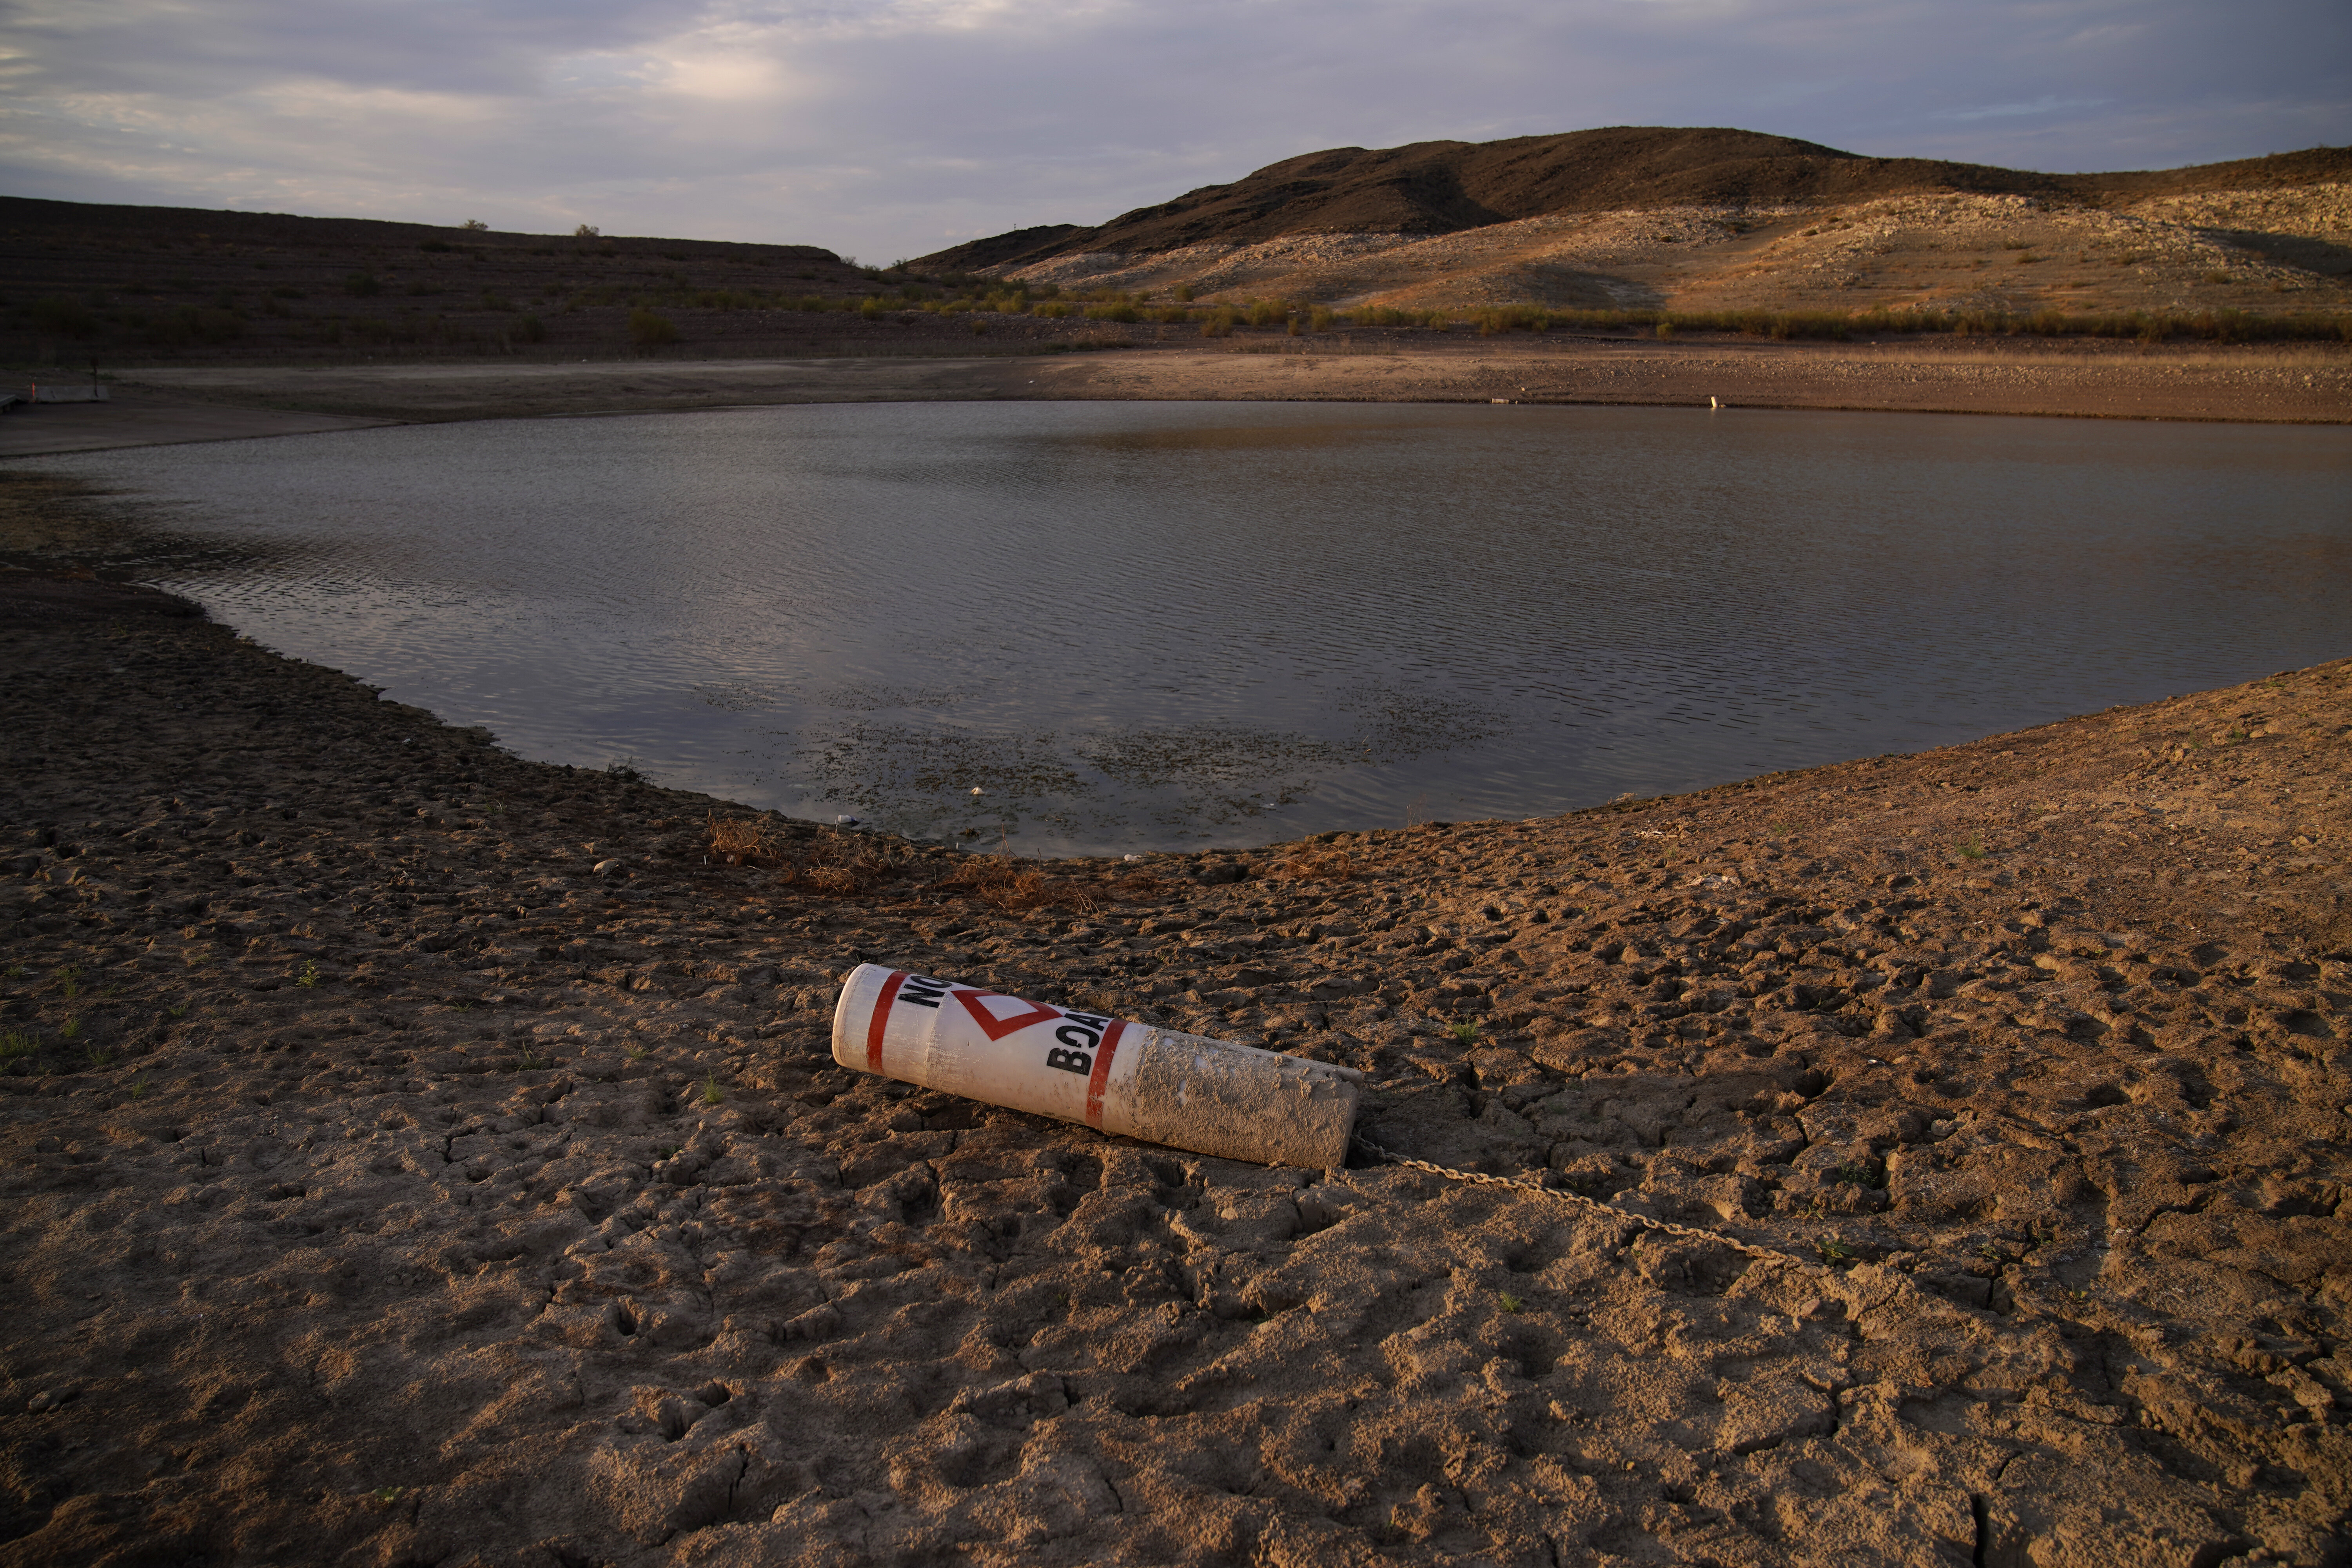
<point x="881" y="1018"/>
<point x="1099" y="1079"/>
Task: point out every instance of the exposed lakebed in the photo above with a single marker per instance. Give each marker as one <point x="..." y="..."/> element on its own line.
<point x="1135" y="625"/>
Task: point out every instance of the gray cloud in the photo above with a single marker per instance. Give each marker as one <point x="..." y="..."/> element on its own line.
<point x="2039" y="107"/>
<point x="893" y="128"/>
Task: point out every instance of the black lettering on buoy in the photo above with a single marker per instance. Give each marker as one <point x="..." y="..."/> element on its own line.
<point x="922" y="993"/>
<point x="1077" y="1036"/>
<point x="1069" y="1061"/>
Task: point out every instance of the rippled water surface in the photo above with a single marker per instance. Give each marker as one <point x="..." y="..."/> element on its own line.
<point x="1161" y="624"/>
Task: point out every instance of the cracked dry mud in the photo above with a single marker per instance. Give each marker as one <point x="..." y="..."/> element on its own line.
<point x="387" y="1184"/>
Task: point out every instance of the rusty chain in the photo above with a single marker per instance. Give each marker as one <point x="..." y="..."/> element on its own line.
<point x="1687" y="1232"/>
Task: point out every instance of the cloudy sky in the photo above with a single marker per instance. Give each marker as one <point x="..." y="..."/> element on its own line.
<point x="886" y="128"/>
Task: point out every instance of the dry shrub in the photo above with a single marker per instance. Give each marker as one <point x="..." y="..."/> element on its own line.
<point x="840" y="865"/>
<point x="1011" y="886"/>
<point x="1333" y="866"/>
<point x="841" y="881"/>
<point x="1142" y="885"/>
<point x="743" y="841"/>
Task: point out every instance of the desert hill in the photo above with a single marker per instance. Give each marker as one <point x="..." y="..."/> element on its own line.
<point x="55" y="226"/>
<point x="1441" y="187"/>
<point x="1717" y="220"/>
<point x="1699" y="224"/>
<point x="142" y="284"/>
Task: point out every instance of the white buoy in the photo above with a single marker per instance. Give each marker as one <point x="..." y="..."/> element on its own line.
<point x="1117" y="1076"/>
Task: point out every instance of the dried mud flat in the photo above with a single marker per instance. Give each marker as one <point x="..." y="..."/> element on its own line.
<point x="416" y="1155"/>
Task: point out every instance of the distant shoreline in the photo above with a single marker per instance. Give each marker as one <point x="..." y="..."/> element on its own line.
<point x="2281" y="384"/>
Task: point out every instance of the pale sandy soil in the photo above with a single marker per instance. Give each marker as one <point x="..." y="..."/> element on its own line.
<point x="415" y="1155"/>
<point x="2303" y="383"/>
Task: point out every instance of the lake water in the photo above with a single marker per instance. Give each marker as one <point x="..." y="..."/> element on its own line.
<point x="1135" y="625"/>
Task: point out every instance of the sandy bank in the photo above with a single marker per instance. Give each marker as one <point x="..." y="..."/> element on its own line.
<point x="417" y="1154"/>
<point x="2268" y="382"/>
<point x="146" y="416"/>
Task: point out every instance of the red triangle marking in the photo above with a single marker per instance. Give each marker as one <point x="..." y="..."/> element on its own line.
<point x="996" y="1028"/>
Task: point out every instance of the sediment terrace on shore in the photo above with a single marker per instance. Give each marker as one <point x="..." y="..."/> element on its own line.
<point x="2303" y="383"/>
<point x="418" y="1155"/>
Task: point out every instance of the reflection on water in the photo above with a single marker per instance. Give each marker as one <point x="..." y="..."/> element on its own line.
<point x="1135" y="624"/>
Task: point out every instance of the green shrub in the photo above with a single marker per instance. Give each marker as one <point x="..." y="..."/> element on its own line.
<point x="362" y="285"/>
<point x="1512" y="319"/>
<point x="648" y="330"/>
<point x="188" y="324"/>
<point x="530" y="330"/>
<point x="63" y="315"/>
<point x="1218" y="323"/>
<point x="1268" y="312"/>
<point x="1119" y="313"/>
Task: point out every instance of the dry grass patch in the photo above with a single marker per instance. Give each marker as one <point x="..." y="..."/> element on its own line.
<point x="1329" y="865"/>
<point x="844" y="865"/>
<point x="1010" y="886"/>
<point x="743" y="841"/>
<point x="839" y="865"/>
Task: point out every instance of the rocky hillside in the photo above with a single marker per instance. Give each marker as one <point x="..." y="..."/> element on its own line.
<point x="1443" y="187"/>
<point x="1713" y="221"/>
<point x="120" y="284"/>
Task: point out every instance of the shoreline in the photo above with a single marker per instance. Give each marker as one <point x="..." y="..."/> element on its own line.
<point x="2295" y="384"/>
<point x="444" y="1155"/>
